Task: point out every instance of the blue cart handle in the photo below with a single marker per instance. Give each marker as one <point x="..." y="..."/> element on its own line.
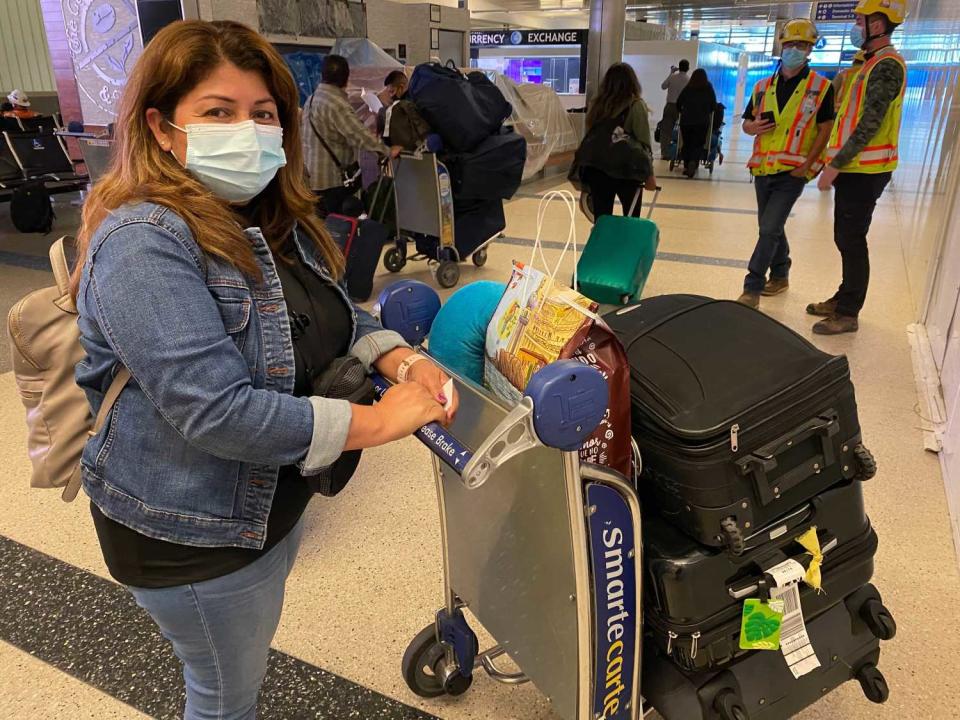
<point x="563" y="404"/>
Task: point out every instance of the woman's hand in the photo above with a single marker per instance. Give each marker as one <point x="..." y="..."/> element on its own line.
<point x="402" y="410"/>
<point x="432" y="378"/>
<point x="651" y="183"/>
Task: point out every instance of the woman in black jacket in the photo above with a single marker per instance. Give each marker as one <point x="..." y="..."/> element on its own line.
<point x="696" y="103"/>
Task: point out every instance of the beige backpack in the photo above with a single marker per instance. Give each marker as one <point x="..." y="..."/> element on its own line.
<point x="45" y="345"/>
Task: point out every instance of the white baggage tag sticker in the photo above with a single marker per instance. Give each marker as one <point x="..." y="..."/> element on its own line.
<point x="794" y="641"/>
<point x="448" y="394"/>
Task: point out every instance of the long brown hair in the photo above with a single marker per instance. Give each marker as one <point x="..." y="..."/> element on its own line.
<point x="178" y="58"/>
<point x="618" y="90"/>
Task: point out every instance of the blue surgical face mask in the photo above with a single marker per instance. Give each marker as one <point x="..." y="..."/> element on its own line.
<point x="857" y="36"/>
<point x="793" y="58"/>
<point x="236" y="161"/>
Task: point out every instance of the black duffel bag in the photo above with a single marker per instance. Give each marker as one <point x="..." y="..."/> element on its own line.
<point x="492" y="171"/>
<point x="462" y="110"/>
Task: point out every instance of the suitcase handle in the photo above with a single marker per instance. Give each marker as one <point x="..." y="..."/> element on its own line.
<point x="752" y="588"/>
<point x="763" y="461"/>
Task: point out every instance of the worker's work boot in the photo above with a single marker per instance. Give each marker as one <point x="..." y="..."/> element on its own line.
<point x="750" y="299"/>
<point x="775" y="286"/>
<point x="822" y="309"/>
<point x="836" y="324"/>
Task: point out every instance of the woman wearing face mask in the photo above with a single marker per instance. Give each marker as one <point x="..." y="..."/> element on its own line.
<point x="206" y="276"/>
<point x="790" y="115"/>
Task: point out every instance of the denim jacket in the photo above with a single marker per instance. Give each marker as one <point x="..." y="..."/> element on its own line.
<point x="191" y="449"/>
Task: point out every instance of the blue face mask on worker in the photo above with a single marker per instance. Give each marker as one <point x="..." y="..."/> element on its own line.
<point x="858" y="36"/>
<point x="236" y="161"/>
<point x="793" y="58"/>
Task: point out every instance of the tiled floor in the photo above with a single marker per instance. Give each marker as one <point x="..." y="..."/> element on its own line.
<point x="369" y="575"/>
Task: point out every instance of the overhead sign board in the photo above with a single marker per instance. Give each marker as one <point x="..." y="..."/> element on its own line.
<point x="835" y="10"/>
<point x="507" y="38"/>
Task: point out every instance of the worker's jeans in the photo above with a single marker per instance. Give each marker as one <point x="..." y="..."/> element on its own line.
<point x="855" y="197"/>
<point x="221" y="629"/>
<point x="776" y="195"/>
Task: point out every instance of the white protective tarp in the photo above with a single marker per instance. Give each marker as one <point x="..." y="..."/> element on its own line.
<point x="539" y="116"/>
<point x="361" y="52"/>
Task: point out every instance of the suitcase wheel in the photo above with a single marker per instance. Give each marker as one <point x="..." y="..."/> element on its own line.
<point x="878" y="619"/>
<point x="479" y="257"/>
<point x="866" y="463"/>
<point x="448" y="273"/>
<point x="732" y="535"/>
<point x="393" y="260"/>
<point x="874" y="685"/>
<point x="729" y="706"/>
<point x="422" y="663"/>
<point x="625" y="299"/>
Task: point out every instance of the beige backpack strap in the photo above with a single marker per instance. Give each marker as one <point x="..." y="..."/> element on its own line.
<point x="120" y="381"/>
<point x="60" y="263"/>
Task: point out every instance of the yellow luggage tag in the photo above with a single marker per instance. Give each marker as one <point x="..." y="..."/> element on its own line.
<point x="811" y="543"/>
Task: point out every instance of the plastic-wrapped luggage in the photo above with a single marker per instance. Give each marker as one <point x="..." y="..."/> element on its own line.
<point x="760" y="685"/>
<point x="463" y="110"/>
<point x="696" y="594"/>
<point x="739" y="419"/>
<point x="493" y="170"/>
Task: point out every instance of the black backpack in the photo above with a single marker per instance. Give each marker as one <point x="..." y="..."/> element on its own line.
<point x="31" y="209"/>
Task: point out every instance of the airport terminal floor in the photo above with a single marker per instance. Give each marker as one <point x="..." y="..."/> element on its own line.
<point x="369" y="577"/>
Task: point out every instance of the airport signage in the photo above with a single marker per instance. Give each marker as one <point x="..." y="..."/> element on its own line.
<point x="835" y="10"/>
<point x="509" y="38"/>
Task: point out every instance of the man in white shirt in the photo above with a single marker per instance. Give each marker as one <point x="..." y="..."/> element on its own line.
<point x="674" y="84"/>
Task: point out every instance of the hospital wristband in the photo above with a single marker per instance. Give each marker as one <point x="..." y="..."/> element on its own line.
<point x="407" y="363"/>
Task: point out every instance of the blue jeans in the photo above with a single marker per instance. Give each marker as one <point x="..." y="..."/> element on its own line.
<point x="221" y="629"/>
<point x="776" y="195"/>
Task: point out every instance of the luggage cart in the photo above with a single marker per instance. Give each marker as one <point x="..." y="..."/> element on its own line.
<point x="425" y="215"/>
<point x="544" y="551"/>
<point x="710" y="154"/>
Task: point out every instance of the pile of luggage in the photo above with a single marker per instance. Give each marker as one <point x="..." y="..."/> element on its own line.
<point x="484" y="157"/>
<point x="758" y="553"/>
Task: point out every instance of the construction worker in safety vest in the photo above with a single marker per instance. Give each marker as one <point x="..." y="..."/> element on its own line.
<point x="845" y="76"/>
<point x="790" y="115"/>
<point x="861" y="156"/>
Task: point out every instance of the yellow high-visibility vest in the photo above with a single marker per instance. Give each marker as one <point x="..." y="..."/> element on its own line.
<point x="787" y="146"/>
<point x="880" y="155"/>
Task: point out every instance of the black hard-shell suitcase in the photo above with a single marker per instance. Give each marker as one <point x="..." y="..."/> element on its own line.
<point x="759" y="685"/>
<point x="738" y="419"/>
<point x="493" y="170"/>
<point x="695" y="594"/>
<point x="362" y="243"/>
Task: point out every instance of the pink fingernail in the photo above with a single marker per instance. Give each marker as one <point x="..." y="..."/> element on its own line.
<point x="442" y="398"/>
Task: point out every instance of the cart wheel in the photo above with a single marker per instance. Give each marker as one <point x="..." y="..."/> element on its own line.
<point x="625" y="299"/>
<point x="448" y="273"/>
<point x="672" y="164"/>
<point x="866" y="463"/>
<point x="720" y="158"/>
<point x="479" y="257"/>
<point x="874" y="684"/>
<point x="423" y="654"/>
<point x="393" y="260"/>
<point x="730" y="707"/>
<point x="733" y="535"/>
<point x="879" y="619"/>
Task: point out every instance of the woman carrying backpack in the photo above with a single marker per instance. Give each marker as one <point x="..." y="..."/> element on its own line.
<point x="697" y="104"/>
<point x="205" y="274"/>
<point x="616" y="157"/>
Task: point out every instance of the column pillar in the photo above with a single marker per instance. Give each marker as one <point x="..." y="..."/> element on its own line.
<point x="605" y="44"/>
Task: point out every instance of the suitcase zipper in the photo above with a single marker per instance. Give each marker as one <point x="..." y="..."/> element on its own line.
<point x="735" y="437"/>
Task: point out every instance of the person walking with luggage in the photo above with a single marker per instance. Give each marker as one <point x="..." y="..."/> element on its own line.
<point x="200" y="477"/>
<point x="394" y="88"/>
<point x="674" y="84"/>
<point x="696" y="104"/>
<point x="619" y="114"/>
<point x="861" y="156"/>
<point x="333" y="136"/>
<point x="790" y="114"/>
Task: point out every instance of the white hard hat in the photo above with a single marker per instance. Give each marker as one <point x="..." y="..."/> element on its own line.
<point x="19" y="97"/>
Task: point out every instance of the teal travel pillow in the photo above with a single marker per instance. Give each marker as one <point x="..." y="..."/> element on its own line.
<point x="460" y="329"/>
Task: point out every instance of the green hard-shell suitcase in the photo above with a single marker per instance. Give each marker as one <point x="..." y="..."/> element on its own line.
<point x="616" y="261"/>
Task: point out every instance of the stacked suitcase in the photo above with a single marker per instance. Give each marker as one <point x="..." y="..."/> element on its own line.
<point x="750" y="439"/>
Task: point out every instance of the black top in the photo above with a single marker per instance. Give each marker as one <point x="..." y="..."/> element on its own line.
<point x="785" y="88"/>
<point x="320" y="323"/>
<point x="696" y="105"/>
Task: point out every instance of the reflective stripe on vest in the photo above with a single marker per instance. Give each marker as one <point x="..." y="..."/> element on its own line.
<point x="880" y="154"/>
<point x="787" y="146"/>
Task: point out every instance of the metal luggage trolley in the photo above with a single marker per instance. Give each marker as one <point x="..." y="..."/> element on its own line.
<point x="544" y="551"/>
<point x="711" y="153"/>
<point x="424" y="211"/>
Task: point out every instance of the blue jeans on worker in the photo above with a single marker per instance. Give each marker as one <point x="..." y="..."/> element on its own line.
<point x="221" y="629"/>
<point x="776" y="195"/>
